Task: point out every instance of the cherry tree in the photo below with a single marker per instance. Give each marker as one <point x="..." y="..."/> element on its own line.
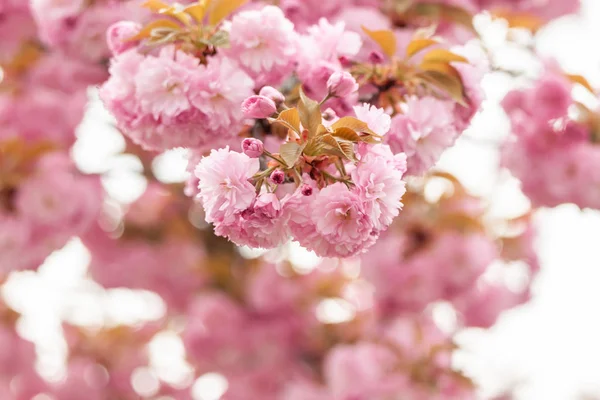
<point x="311" y="129"/>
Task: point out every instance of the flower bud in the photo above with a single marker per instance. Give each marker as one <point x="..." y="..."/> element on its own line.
<point x="272" y="93"/>
<point x="258" y="107"/>
<point x="376" y="57"/>
<point x="252" y="147"/>
<point x="118" y="35"/>
<point x="277" y="177"/>
<point x="341" y="84"/>
<point x="345" y="61"/>
<point x="306" y="190"/>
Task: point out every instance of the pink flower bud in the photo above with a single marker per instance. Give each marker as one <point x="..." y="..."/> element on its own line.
<point x="277" y="177"/>
<point x="258" y="107"/>
<point x="272" y="93"/>
<point x="376" y="57"/>
<point x="118" y="35"/>
<point x="345" y="61"/>
<point x="341" y="84"/>
<point x="252" y="147"/>
<point x="306" y="190"/>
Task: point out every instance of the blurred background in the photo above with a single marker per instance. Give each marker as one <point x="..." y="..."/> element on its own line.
<point x="547" y="349"/>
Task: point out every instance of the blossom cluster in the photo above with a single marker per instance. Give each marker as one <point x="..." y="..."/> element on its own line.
<point x="147" y="246"/>
<point x="77" y="28"/>
<point x="190" y="81"/>
<point x="553" y="149"/>
<point x="349" y="212"/>
<point x="42" y="101"/>
<point x="36" y="220"/>
<point x="443" y="251"/>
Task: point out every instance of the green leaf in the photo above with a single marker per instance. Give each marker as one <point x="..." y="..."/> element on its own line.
<point x="181" y="16"/>
<point x="344" y="150"/>
<point x="314" y="147"/>
<point x="220" y="9"/>
<point x="220" y="39"/>
<point x="165" y="37"/>
<point x="582" y="81"/>
<point x="292" y="117"/>
<point x="348" y="150"/>
<point x="442" y="55"/>
<point x="310" y="114"/>
<point x="444" y="13"/>
<point x="385" y="39"/>
<point x="458" y="15"/>
<point x="155" y="5"/>
<point x="416" y="45"/>
<point x="449" y="85"/>
<point x="346" y="134"/>
<point x="443" y="68"/>
<point x="165" y="25"/>
<point x="198" y="10"/>
<point x="321" y="130"/>
<point x="354" y="124"/>
<point x="290" y="153"/>
<point x="288" y="118"/>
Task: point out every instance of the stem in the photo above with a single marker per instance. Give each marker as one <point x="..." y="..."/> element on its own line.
<point x="258" y="185"/>
<point x="297" y="177"/>
<point x="268" y="154"/>
<point x="335" y="178"/>
<point x="264" y="174"/>
<point x="329" y="96"/>
<point x="341" y="168"/>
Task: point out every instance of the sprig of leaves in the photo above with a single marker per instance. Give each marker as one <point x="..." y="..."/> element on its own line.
<point x="385" y="39"/>
<point x="196" y="23"/>
<point x="432" y="13"/>
<point x="308" y="136"/>
<point x="435" y="70"/>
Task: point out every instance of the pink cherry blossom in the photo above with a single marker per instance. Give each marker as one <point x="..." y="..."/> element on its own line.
<point x="379" y="182"/>
<point x="261" y="225"/>
<point x="483" y="307"/>
<point x="118" y="36"/>
<point x="162" y="84"/>
<point x="423" y="132"/>
<point x="79" y="29"/>
<point x="341" y="84"/>
<point x="258" y="107"/>
<point x="341" y="218"/>
<point x="264" y="43"/>
<point x="546" y="9"/>
<point x="223" y="180"/>
<point x="176" y="102"/>
<point x="376" y="118"/>
<point x="272" y="93"/>
<point x="15" y="236"/>
<point x="308" y="12"/>
<point x="16" y="28"/>
<point x="362" y="370"/>
<point x="321" y="49"/>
